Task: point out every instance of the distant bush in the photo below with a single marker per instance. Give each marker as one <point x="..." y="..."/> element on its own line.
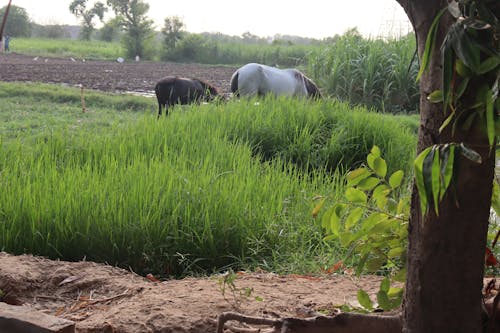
<point x="201" y="49"/>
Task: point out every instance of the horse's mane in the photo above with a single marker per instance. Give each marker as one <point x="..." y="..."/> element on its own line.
<point x="311" y="87"/>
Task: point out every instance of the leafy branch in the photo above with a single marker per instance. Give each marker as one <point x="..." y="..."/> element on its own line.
<point x="372" y="223"/>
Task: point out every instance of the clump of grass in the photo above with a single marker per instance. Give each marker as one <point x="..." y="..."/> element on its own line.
<point x="68" y="48"/>
<point x="379" y="74"/>
<point x="207" y="188"/>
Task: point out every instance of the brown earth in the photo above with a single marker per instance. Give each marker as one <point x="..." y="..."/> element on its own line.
<point x="110" y="76"/>
<point x="101" y="298"/>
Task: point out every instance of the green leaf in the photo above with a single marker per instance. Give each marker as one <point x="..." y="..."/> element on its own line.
<point x="368" y="184"/>
<point x="427" y="172"/>
<point x="376" y="151"/>
<point x="355" y="176"/>
<point x="383" y="300"/>
<point x="448" y="160"/>
<point x="355" y="196"/>
<point x="430" y="43"/>
<point x="447" y="77"/>
<point x="396" y="178"/>
<point x="436" y="96"/>
<point x="380" y="195"/>
<point x="385" y="285"/>
<point x="325" y="220"/>
<point x="495" y="198"/>
<point x="346" y="238"/>
<point x="364" y="300"/>
<point x="489" y="64"/>
<point x="461" y="69"/>
<point x="447" y="121"/>
<point x="400" y="276"/>
<point x="436" y="179"/>
<point x="403" y="206"/>
<point x="353" y="218"/>
<point x="396" y="252"/>
<point x="419" y="178"/>
<point x="361" y="265"/>
<point x="375" y="264"/>
<point x="464" y="46"/>
<point x="395" y="292"/>
<point x="372" y="220"/>
<point x="379" y="166"/>
<point x="335" y="219"/>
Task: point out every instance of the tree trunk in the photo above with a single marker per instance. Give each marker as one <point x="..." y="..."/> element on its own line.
<point x="446" y="252"/>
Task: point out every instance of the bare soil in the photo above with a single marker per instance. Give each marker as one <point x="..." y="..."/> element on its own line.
<point x="101" y="298"/>
<point x="110" y="76"/>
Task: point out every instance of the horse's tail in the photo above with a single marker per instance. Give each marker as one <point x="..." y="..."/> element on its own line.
<point x="234" y="85"/>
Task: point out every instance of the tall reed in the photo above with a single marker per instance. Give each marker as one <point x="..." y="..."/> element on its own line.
<point x="379" y="74"/>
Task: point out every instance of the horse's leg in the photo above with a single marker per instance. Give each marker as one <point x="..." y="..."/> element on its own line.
<point x="159" y="110"/>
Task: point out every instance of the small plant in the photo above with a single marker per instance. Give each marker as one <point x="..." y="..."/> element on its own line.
<point x="227" y="281"/>
<point x="372" y="224"/>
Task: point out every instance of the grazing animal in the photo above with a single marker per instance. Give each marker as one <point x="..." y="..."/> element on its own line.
<point x="258" y="80"/>
<point x="179" y="90"/>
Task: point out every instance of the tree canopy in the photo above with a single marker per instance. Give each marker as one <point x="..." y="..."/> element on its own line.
<point x="79" y="9"/>
<point x="18" y="23"/>
<point x="132" y="15"/>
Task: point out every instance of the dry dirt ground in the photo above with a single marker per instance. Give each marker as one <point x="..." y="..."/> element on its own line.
<point x="110" y="76"/>
<point x="101" y="298"/>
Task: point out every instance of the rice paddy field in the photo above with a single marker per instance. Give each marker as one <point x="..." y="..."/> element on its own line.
<point x="210" y="187"/>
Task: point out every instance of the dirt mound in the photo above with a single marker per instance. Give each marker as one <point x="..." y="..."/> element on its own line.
<point x="101" y="298"/>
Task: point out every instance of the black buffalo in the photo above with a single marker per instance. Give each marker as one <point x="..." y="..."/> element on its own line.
<point x="179" y="90"/>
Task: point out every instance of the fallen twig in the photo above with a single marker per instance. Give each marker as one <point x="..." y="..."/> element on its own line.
<point x="112" y="298"/>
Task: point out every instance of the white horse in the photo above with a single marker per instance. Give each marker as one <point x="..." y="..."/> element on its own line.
<point x="258" y="80"/>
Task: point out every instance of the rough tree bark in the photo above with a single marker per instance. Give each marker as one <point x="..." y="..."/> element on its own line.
<point x="446" y="252"/>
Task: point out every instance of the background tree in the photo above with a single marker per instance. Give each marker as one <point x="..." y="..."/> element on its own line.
<point x="18" y="23"/>
<point x="172" y="31"/>
<point x="50" y="31"/>
<point x="110" y="30"/>
<point x="79" y="9"/>
<point x="137" y="26"/>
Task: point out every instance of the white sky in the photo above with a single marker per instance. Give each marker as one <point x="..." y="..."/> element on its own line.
<point x="307" y="18"/>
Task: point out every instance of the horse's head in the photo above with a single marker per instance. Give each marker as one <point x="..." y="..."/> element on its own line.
<point x="209" y="91"/>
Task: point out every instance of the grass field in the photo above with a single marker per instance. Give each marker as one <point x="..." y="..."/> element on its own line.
<point x="68" y="48"/>
<point x="209" y="187"/>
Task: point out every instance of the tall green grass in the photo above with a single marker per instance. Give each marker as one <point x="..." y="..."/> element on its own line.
<point x="68" y="48"/>
<point x="377" y="73"/>
<point x="209" y="187"/>
<point x="213" y="52"/>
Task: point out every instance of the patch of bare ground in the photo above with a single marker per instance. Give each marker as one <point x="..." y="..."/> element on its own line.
<point x="110" y="76"/>
<point x="101" y="298"/>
